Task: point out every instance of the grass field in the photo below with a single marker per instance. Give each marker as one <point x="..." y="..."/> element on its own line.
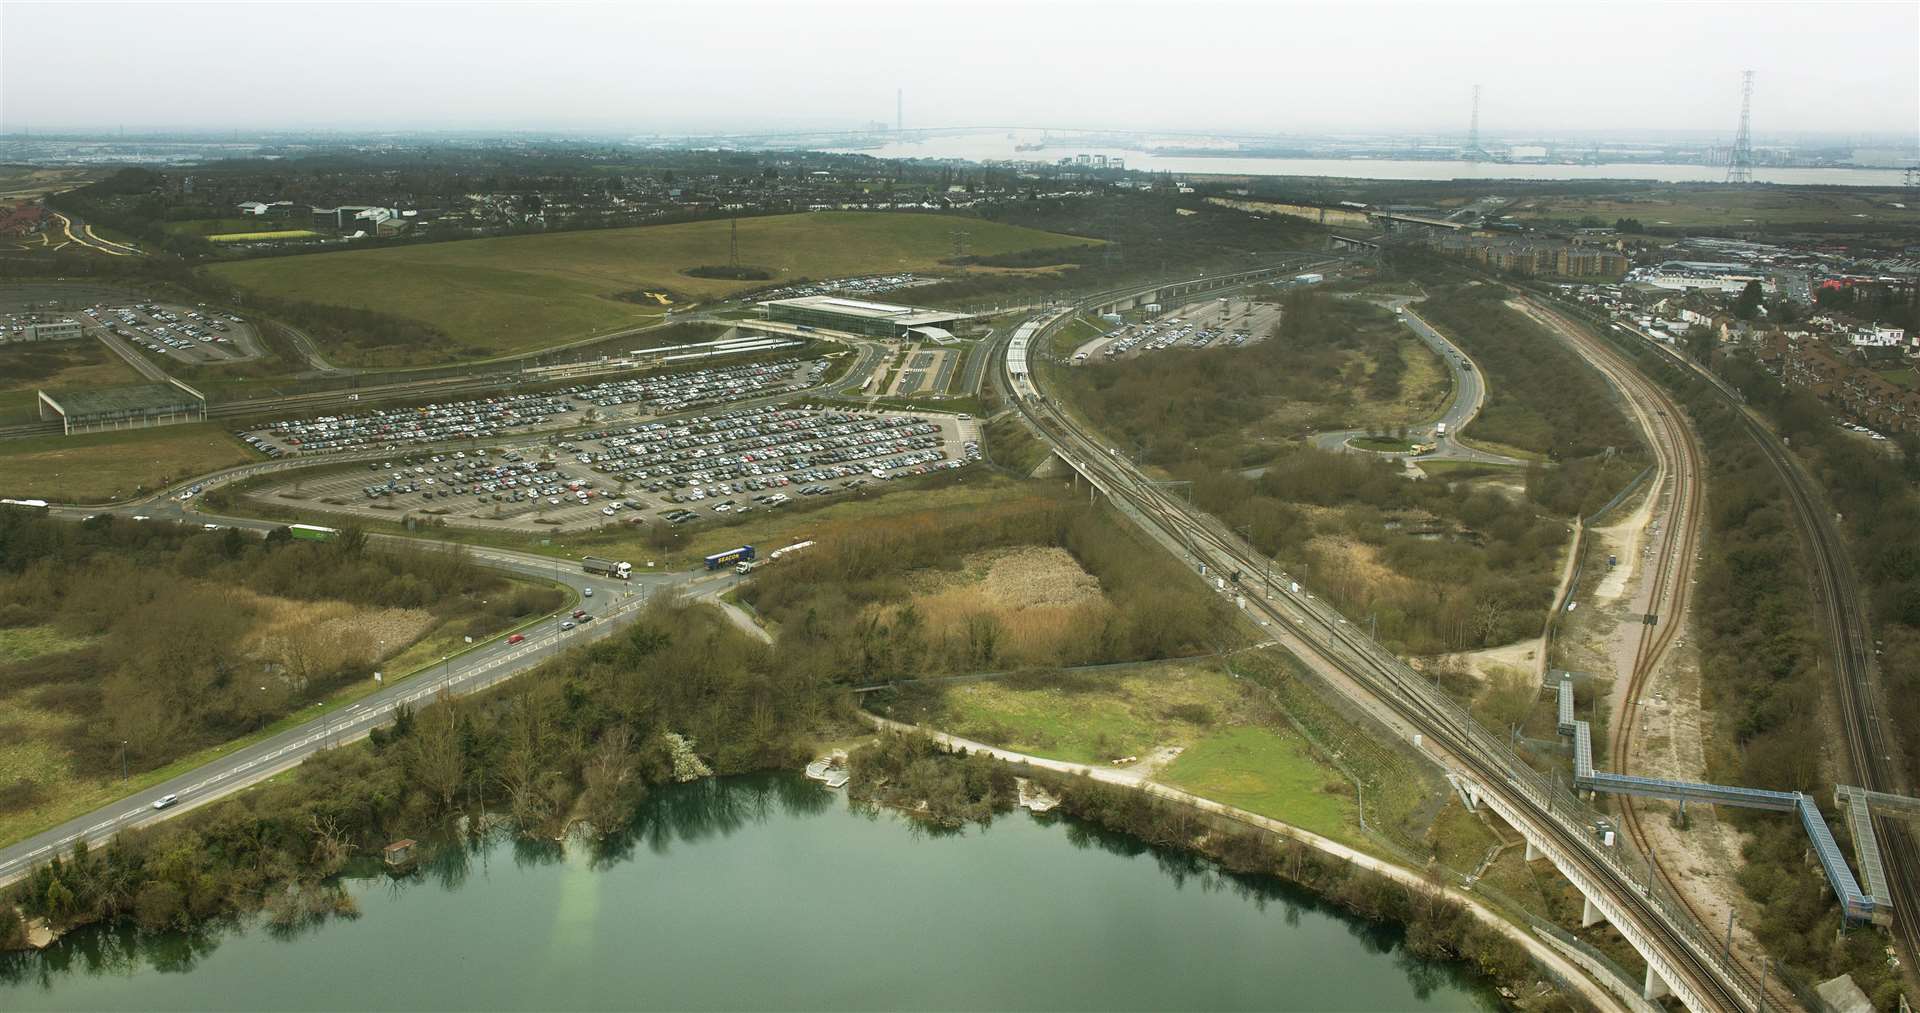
<point x="215" y="226"/>
<point x="19" y="182"/>
<point x="97" y="467"/>
<point x="1234" y="745"/>
<point x="240" y="237"/>
<point x="1270" y="772"/>
<point x="521" y="292"/>
<point x="1905" y="377"/>
<point x="1660" y="207"/>
<point x="25" y="368"/>
<point x="1090" y="718"/>
<point x="19" y="643"/>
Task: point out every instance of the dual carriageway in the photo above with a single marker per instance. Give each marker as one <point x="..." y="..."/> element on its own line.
<point x="1681" y="954"/>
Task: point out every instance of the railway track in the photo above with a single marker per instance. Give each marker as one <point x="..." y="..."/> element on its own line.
<point x="1313" y="630"/>
<point x="1871" y="746"/>
<point x="1871" y="749"/>
<point x="1678" y="456"/>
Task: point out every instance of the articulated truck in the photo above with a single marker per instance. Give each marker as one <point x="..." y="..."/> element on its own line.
<point x="729" y="557"/>
<point x="607" y="568"/>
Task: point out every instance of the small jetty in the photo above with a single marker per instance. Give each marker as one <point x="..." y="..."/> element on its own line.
<point x="830" y="770"/>
<point x="1035" y="798"/>
<point x="400" y="855"/>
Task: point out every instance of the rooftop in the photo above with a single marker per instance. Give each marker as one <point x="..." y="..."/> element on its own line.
<point x="906" y="316"/>
<point x="135" y="399"/>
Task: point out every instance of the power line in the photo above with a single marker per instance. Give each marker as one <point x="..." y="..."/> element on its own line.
<point x="1473" y="151"/>
<point x="1740" y="165"/>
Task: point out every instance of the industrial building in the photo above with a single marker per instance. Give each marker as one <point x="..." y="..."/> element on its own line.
<point x="132" y="407"/>
<point x="872" y="319"/>
<point x="57" y="330"/>
<point x="1684" y="275"/>
<point x="1536" y="257"/>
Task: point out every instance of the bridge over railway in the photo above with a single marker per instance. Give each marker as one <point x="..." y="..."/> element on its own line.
<point x="1683" y="958"/>
<point x="1859" y="905"/>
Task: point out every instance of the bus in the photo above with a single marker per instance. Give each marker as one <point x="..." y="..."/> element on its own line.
<point x="313" y="532"/>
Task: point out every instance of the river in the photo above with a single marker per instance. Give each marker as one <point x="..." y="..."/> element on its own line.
<point x="772" y="892"/>
<point x="1000" y="146"/>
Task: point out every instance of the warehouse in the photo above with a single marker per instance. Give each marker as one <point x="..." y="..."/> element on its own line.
<point x="853" y="316"/>
<point x="132" y="407"/>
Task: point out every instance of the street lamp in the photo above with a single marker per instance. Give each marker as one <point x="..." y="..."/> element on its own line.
<point x="123" y="759"/>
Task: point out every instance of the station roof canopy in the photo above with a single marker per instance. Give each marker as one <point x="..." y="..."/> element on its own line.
<point x="123" y="402"/>
<point x="903" y="316"/>
<point x="145" y="404"/>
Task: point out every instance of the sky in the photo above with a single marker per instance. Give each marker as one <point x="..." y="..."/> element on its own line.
<point x="1545" y="67"/>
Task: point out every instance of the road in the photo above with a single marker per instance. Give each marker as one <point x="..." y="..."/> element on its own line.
<point x="1689" y="954"/>
<point x="615" y="604"/>
<point x="86" y="238"/>
<point x="1469" y="396"/>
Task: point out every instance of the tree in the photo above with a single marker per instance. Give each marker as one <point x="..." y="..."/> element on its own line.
<point x="439" y="763"/>
<point x="1747" y="306"/>
<point x="1700" y="344"/>
<point x="609" y="782"/>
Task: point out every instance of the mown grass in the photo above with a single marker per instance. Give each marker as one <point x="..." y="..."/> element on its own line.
<point x="519" y="292"/>
<point x="1464" y="469"/>
<point x="240" y="237"/>
<point x="1729" y="207"/>
<point x="1091" y="718"/>
<point x="218" y="226"/>
<point x="1270" y="772"/>
<point x="99" y="467"/>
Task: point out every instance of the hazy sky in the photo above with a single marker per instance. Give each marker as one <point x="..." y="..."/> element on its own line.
<point x="1547" y="67"/>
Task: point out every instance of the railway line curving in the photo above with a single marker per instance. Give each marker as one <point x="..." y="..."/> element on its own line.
<point x="1310" y="628"/>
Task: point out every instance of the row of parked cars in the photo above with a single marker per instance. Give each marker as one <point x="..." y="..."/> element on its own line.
<point x="163" y="329"/>
<point x="757" y="449"/>
<point x="390" y="428"/>
<point x="497" y="478"/>
<point x="1170" y="333"/>
<point x="673" y="392"/>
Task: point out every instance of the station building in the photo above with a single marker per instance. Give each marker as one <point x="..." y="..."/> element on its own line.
<point x="872" y="319"/>
<point x="136" y="406"/>
<point x="56" y="330"/>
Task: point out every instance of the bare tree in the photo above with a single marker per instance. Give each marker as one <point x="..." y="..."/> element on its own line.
<point x="438" y="762"/>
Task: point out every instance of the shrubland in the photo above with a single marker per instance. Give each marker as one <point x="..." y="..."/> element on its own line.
<point x="161" y="639"/>
<point x="1442" y="564"/>
<point x="848" y="605"/>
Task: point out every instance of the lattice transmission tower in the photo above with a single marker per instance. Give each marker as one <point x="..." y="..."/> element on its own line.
<point x="1740" y="165"/>
<point x="1473" y="152"/>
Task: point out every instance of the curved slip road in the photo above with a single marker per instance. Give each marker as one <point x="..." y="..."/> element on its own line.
<point x="1469" y="396"/>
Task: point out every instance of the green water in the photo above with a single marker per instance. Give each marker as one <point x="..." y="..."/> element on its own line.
<point x="770" y="892"/>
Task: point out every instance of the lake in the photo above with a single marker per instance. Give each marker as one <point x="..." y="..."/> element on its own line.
<point x="1000" y="146"/>
<point x="772" y="892"/>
